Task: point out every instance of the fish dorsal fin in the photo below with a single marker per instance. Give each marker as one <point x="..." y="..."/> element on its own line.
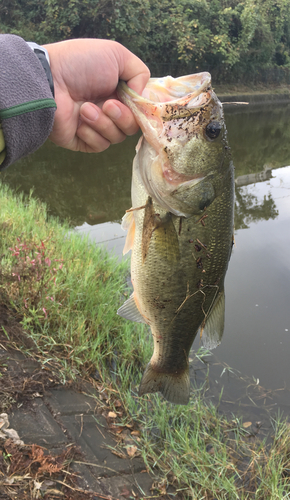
<point x="128" y="224"/>
<point x="129" y="310"/>
<point x="214" y="326"/>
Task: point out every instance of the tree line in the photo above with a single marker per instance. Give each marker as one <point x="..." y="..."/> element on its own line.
<point x="233" y="39"/>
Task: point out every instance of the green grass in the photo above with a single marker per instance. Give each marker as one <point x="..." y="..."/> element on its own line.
<point x="66" y="292"/>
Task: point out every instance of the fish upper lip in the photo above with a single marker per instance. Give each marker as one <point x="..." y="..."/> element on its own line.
<point x="188" y="96"/>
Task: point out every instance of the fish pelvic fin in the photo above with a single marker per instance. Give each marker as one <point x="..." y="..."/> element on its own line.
<point x="129" y="310"/>
<point x="174" y="387"/>
<point x="213" y="330"/>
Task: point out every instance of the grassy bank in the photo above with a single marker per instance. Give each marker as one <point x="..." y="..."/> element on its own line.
<point x="252" y="89"/>
<point x="65" y="292"/>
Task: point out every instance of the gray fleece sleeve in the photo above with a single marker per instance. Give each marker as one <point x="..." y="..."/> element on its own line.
<point x="26" y="104"/>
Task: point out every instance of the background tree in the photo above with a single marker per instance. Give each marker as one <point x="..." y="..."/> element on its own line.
<point x="231" y="38"/>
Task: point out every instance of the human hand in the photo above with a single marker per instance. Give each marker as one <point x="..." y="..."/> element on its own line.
<point x="89" y="116"/>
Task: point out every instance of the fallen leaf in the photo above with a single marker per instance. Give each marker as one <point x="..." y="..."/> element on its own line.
<point x="132" y="450"/>
<point x="37" y="484"/>
<point x="55" y="492"/>
<point x="247" y="424"/>
<point x="135" y="433"/>
<point x="125" y="492"/>
<point x="116" y="429"/>
<point x="161" y="487"/>
<point x="46" y="484"/>
<point x="118" y="454"/>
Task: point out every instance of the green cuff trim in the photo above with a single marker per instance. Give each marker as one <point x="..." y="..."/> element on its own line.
<point x="27" y="107"/>
<point x="2" y="157"/>
<point x="2" y="146"/>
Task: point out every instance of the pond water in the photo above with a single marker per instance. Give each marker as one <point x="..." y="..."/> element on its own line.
<point x="93" y="191"/>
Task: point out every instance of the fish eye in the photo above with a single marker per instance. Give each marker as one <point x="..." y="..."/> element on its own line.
<point x="213" y="129"/>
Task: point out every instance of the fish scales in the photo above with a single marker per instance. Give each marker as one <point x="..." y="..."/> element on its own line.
<point x="181" y="235"/>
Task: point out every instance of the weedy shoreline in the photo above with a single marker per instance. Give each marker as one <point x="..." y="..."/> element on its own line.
<point x="65" y="292"/>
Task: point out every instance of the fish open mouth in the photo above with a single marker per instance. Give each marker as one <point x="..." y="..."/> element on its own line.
<point x="180" y="91"/>
<point x="168" y="89"/>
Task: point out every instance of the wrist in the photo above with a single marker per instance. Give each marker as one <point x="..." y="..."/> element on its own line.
<point x="43" y="57"/>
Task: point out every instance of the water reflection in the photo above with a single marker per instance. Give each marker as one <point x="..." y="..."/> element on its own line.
<point x="91" y="188"/>
<point x="257" y="330"/>
<point x="96" y="188"/>
<point x="258" y="136"/>
<point x="110" y="235"/>
<point x="249" y="209"/>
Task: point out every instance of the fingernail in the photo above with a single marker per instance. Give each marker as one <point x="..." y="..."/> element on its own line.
<point x="114" y="112"/>
<point x="89" y="112"/>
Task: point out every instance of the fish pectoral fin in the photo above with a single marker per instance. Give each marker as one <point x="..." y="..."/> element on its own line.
<point x="174" y="387"/>
<point x="213" y="329"/>
<point x="127" y="220"/>
<point x="129" y="310"/>
<point x="128" y="224"/>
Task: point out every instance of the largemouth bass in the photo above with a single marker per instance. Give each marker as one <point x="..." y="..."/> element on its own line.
<point x="180" y="226"/>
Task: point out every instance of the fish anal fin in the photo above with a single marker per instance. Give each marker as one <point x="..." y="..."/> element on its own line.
<point x="213" y="329"/>
<point x="130" y="311"/>
<point x="174" y="387"/>
<point x="128" y="224"/>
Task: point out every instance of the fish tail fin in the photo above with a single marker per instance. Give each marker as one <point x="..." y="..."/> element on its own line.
<point x="174" y="387"/>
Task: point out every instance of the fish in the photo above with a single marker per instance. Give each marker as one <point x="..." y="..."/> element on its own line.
<point x="180" y="226"/>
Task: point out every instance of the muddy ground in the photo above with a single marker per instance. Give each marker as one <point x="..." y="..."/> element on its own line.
<point x="29" y="471"/>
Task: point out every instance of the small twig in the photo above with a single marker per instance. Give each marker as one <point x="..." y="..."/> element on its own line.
<point x="100" y="432"/>
<point x="82" y="425"/>
<point x="235" y="102"/>
<point x="203" y="246"/>
<point x="96" y="465"/>
<point x="70" y="487"/>
<point x="137" y="208"/>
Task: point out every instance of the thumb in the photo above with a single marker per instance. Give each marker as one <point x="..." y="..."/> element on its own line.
<point x="132" y="70"/>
